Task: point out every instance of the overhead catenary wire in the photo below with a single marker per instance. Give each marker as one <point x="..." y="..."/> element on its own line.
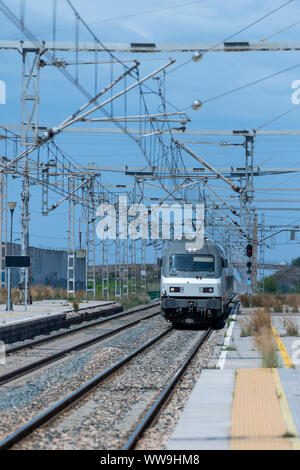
<point x="281" y="31"/>
<point x="133" y="15"/>
<point x="253" y="23"/>
<point x="75" y="81"/>
<point x="168" y="123"/>
<point x="295" y="107"/>
<point x="247" y="85"/>
<point x="147" y="12"/>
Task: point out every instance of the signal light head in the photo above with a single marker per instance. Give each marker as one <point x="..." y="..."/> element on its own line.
<point x="249" y="250"/>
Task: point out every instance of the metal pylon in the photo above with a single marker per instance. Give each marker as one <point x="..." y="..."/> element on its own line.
<point x="3" y="225"/>
<point x="118" y="287"/>
<point x="254" y="284"/>
<point x="105" y="270"/>
<point x="143" y="267"/>
<point x="125" y="268"/>
<point x="262" y="255"/>
<point x="71" y="286"/>
<point x="248" y="195"/>
<point x="90" y="284"/>
<point x="155" y="271"/>
<point x="45" y="190"/>
<point x="30" y="95"/>
<point x="246" y="209"/>
<point x="133" y="268"/>
<point x="25" y="195"/>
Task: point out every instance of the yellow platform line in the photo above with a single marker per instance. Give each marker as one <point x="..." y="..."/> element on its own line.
<point x="257" y="419"/>
<point x="286" y="412"/>
<point x="286" y="358"/>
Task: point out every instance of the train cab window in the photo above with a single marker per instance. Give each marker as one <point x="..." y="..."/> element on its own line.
<point x="192" y="263"/>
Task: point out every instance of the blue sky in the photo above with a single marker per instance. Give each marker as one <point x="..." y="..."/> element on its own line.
<point x="205" y="21"/>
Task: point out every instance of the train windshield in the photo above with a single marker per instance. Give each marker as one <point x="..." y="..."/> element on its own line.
<point x="192" y="263"/>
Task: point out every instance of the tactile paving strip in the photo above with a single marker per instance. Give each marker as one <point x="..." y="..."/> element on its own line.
<point x="257" y="420"/>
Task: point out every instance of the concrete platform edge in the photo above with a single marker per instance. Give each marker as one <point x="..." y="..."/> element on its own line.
<point x="205" y="423"/>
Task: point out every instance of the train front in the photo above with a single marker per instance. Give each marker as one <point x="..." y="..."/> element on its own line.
<point x="192" y="284"/>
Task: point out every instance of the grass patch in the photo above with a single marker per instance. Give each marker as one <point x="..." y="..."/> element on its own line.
<point x="246" y="328"/>
<point x="229" y="321"/>
<point x="38" y="293"/>
<point x="266" y="344"/>
<point x="260" y="327"/>
<point x="134" y="301"/>
<point x="260" y="319"/>
<point x="75" y="304"/>
<point x="245" y="300"/>
<point x="230" y="348"/>
<point x="272" y="302"/>
<point x="291" y="327"/>
<point x="293" y="300"/>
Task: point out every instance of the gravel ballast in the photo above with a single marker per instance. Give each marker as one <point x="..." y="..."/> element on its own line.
<point x="106" y="416"/>
<point x="26" y="397"/>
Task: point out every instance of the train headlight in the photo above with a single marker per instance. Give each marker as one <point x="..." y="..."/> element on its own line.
<point x="175" y="289"/>
<point x="208" y="290"/>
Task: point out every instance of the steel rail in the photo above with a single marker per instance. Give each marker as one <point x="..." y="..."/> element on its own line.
<point x="165" y="394"/>
<point x="115" y="316"/>
<point x="54" y="410"/>
<point x="16" y="373"/>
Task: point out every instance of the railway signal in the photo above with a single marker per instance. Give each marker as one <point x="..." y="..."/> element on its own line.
<point x="249" y="250"/>
<point x="249" y="254"/>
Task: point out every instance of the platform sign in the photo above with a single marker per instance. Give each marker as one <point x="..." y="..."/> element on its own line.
<point x="17" y="261"/>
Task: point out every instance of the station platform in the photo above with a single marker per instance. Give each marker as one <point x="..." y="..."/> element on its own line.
<point x="237" y="404"/>
<point x="43" y="317"/>
<point x="42" y="308"/>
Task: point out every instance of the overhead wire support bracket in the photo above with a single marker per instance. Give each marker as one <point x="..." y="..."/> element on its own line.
<point x="71" y="121"/>
<point x="55" y="206"/>
<point x="101" y="93"/>
<point x="50" y="133"/>
<point x="233" y="186"/>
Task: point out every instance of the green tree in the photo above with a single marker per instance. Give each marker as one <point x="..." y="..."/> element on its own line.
<point x="296" y="262"/>
<point x="270" y="285"/>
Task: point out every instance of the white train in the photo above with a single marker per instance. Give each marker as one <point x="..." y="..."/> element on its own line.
<point x="196" y="286"/>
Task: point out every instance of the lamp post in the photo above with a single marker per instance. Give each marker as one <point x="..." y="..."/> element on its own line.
<point x="12" y="206"/>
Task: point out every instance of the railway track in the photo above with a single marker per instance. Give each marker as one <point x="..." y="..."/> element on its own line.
<point x="16" y="373"/>
<point x="38" y="342"/>
<point x="154" y="411"/>
<point x="57" y="410"/>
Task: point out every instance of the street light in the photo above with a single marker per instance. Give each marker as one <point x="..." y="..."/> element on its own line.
<point x="12" y="206"/>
